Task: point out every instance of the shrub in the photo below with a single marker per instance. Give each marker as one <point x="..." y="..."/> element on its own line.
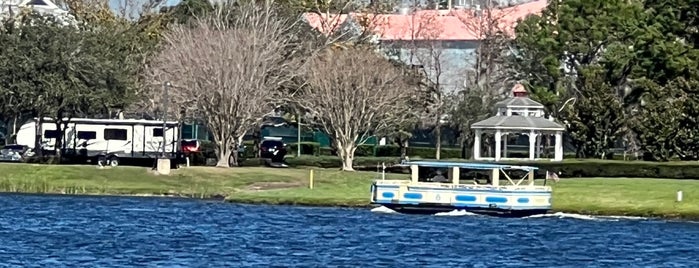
<point x="425" y="152"/>
<point x="568" y="168"/>
<point x="307" y="148"/>
<point x="613" y="168"/>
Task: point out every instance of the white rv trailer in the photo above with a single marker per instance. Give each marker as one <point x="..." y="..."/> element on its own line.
<point x="104" y="140"/>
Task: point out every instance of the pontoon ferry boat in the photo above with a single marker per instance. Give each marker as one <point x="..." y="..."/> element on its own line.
<point x="473" y="187"/>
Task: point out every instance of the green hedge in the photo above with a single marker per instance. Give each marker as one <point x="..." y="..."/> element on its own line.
<point x="365" y="150"/>
<point x="568" y="168"/>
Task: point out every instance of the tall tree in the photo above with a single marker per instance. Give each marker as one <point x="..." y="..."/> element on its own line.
<point x="555" y="51"/>
<point x="353" y="93"/>
<point x="226" y="69"/>
<point x="597" y="120"/>
<point x="66" y="70"/>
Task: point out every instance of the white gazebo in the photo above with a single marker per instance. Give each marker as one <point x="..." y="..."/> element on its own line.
<point x="518" y="115"/>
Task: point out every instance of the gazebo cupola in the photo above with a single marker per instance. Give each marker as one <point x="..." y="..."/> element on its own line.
<point x="518" y="115"/>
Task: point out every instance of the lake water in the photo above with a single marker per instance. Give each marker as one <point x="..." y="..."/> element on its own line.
<point x="66" y="231"/>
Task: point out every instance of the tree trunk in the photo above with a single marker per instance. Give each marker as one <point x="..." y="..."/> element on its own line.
<point x="438" y="142"/>
<point x="11" y="127"/>
<point x="347" y="155"/>
<point x="60" y="128"/>
<point x="404" y="148"/>
<point x="224" y="155"/>
<point x="38" y="137"/>
<point x="462" y="145"/>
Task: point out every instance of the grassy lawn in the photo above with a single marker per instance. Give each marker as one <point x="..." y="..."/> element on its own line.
<point x="609" y="196"/>
<point x="627" y="196"/>
<point x="250" y="182"/>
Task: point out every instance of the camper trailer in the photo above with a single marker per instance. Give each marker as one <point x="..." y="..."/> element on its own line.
<point x="104" y="141"/>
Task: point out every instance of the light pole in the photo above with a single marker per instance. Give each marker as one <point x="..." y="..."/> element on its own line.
<point x="166" y="86"/>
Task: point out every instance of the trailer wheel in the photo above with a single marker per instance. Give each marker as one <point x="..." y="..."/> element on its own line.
<point x="113" y="161"/>
<point x="101" y="161"/>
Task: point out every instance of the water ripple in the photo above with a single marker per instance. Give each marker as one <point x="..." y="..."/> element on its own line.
<point x="62" y="231"/>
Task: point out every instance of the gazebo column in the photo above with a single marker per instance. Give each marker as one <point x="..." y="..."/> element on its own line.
<point x="504" y="146"/>
<point x="558" y="152"/>
<point x="532" y="144"/>
<point x="498" y="144"/>
<point x="538" y="146"/>
<point x="477" y="145"/>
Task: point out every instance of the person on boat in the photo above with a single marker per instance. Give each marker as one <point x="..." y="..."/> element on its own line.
<point x="439" y="177"/>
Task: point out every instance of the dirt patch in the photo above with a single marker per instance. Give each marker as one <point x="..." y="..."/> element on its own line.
<point x="262" y="186"/>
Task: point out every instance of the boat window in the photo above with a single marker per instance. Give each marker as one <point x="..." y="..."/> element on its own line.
<point x="87" y="135"/>
<point x="115" y="134"/>
<point x="157" y="132"/>
<point x="51" y="134"/>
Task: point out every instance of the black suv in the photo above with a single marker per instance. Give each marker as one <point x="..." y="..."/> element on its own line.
<point x="275" y="150"/>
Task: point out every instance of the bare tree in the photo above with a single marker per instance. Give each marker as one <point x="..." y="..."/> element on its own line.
<point x="226" y="67"/>
<point x="427" y="47"/>
<point x="488" y="78"/>
<point x="353" y="93"/>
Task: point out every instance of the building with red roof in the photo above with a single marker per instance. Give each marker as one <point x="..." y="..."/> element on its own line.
<point x="430" y="38"/>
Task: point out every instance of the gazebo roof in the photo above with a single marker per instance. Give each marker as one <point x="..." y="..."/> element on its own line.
<point x="520" y="102"/>
<point x="517" y="122"/>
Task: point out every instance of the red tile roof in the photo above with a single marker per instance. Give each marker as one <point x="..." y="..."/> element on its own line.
<point x="455" y="24"/>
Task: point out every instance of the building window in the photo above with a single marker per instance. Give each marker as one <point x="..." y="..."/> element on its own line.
<point x="115" y="134"/>
<point x="87" y="135"/>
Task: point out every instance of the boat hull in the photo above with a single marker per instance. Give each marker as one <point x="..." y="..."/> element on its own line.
<point x="430" y="198"/>
<point x="434" y="209"/>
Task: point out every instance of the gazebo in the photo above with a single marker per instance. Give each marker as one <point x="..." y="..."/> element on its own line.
<point x="518" y="115"/>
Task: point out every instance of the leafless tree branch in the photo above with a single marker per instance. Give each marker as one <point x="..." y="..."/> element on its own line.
<point x="353" y="93"/>
<point x="226" y="65"/>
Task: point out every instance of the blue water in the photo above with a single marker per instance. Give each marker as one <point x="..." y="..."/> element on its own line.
<point x="63" y="231"/>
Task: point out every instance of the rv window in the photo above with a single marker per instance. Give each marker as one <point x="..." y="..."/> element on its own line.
<point x="51" y="134"/>
<point x="115" y="134"/>
<point x="157" y="132"/>
<point x="87" y="135"/>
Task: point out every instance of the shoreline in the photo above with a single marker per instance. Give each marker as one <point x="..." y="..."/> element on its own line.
<point x="302" y="203"/>
<point x="579" y="212"/>
<point x="635" y="197"/>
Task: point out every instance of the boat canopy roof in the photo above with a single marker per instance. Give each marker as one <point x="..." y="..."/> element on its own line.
<point x="466" y="165"/>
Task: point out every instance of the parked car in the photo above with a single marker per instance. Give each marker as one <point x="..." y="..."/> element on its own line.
<point x="13" y="152"/>
<point x="273" y="149"/>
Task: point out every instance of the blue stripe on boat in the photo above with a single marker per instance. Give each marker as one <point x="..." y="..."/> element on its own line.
<point x="387" y="195"/>
<point x="523" y="200"/>
<point x="412" y="195"/>
<point x="496" y="199"/>
<point x="465" y="198"/>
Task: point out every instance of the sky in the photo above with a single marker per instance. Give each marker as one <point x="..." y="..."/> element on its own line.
<point x="116" y="5"/>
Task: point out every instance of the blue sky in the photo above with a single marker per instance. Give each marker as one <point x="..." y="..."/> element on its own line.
<point x="116" y="4"/>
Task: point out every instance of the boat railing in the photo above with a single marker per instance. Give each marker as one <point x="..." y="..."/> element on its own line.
<point x="438" y="185"/>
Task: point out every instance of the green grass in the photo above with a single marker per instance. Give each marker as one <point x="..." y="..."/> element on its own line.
<point x="599" y="196"/>
<point x="199" y="182"/>
<point x="627" y="196"/>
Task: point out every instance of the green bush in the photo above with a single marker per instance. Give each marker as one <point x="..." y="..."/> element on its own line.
<point x="360" y="163"/>
<point x="425" y="152"/>
<point x="614" y="168"/>
<point x="387" y="150"/>
<point x="307" y="148"/>
<point x="568" y="168"/>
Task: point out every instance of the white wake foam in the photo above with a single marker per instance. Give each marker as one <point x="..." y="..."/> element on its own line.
<point x="562" y="215"/>
<point x="383" y="209"/>
<point x="456" y="212"/>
